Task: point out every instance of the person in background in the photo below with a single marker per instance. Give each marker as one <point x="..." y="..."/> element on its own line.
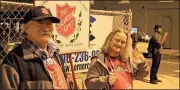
<point x="112" y="69"/>
<point x="138" y="58"/>
<point x="35" y="63"/>
<point x="156" y="42"/>
<point x="134" y="39"/>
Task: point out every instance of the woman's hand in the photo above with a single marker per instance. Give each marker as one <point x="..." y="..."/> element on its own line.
<point x="112" y="77"/>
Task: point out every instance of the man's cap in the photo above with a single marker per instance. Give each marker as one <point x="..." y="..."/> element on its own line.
<point x="40" y="13"/>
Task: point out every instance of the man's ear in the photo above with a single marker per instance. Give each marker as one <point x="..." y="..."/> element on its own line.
<point x="25" y="28"/>
<point x="156" y="30"/>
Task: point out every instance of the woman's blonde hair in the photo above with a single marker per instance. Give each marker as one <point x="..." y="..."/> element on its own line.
<point x="126" y="51"/>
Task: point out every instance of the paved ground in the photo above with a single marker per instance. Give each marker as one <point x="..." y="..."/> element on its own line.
<point x="168" y="73"/>
<point x="170" y="53"/>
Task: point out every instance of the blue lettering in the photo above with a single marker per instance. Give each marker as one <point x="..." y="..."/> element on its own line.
<point x="81" y="58"/>
<point x="86" y="56"/>
<point x="93" y="52"/>
<point x="65" y="58"/>
<point x="76" y="58"/>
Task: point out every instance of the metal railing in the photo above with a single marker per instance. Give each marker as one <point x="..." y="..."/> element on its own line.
<point x="11" y="18"/>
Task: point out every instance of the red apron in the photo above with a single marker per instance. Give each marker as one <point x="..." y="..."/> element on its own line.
<point x="124" y="76"/>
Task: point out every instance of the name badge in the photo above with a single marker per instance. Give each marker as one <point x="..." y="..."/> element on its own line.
<point x="51" y="61"/>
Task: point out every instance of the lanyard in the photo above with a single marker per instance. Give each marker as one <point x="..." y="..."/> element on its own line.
<point x="113" y="67"/>
<point x="115" y="71"/>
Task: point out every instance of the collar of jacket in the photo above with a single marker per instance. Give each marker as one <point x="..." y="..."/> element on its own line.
<point x="100" y="58"/>
<point x="28" y="52"/>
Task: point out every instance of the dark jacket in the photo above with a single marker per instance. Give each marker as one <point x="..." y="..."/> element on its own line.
<point x="23" y="69"/>
<point x="154" y="43"/>
<point x="97" y="75"/>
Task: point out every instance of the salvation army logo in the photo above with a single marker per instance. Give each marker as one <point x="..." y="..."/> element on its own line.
<point x="92" y="20"/>
<point x="68" y="23"/>
<point x="44" y="10"/>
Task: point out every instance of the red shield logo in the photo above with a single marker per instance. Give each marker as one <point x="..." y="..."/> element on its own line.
<point x="44" y="10"/>
<point x="66" y="15"/>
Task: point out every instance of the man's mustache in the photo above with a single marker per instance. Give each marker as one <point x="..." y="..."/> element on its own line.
<point x="46" y="33"/>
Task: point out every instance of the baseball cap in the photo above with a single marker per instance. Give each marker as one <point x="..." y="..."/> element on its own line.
<point x="39" y="13"/>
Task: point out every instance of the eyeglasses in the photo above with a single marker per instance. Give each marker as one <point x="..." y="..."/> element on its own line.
<point x="119" y="41"/>
<point x="42" y="23"/>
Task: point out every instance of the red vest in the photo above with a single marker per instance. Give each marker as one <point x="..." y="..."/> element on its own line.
<point x="123" y="74"/>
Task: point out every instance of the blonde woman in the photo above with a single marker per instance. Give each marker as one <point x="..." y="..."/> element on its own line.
<point x="112" y="69"/>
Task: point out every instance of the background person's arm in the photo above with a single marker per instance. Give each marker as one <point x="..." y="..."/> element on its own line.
<point x="143" y="67"/>
<point x="161" y="42"/>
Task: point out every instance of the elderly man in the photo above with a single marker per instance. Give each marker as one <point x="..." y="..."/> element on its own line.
<point x="35" y="63"/>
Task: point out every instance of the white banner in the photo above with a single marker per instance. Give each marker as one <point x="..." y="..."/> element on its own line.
<point x="100" y="27"/>
<point x="80" y="60"/>
<point x="72" y="33"/>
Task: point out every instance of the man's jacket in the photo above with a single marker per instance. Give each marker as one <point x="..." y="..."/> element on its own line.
<point x="23" y="69"/>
